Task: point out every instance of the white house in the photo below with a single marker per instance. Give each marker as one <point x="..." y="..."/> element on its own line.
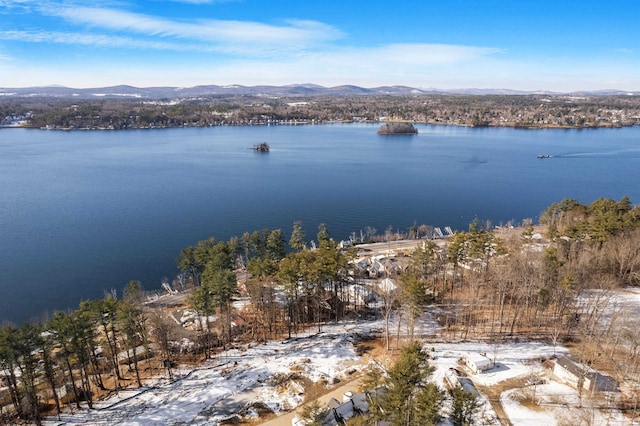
<point x="477" y="362"/>
<point x="579" y="375"/>
<point x="569" y="372"/>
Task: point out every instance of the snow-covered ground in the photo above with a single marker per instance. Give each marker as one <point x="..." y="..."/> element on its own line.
<point x="273" y="375"/>
<point x="512" y="360"/>
<point x="260" y="373"/>
<point x="232" y="382"/>
<point x="557" y="404"/>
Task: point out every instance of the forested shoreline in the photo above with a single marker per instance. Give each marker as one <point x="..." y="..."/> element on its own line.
<point x="519" y="111"/>
<point x="545" y="282"/>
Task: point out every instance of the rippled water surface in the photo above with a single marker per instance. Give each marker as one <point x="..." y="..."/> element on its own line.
<point x="83" y="212"/>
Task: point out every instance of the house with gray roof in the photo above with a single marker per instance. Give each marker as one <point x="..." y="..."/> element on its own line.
<point x="581" y="376"/>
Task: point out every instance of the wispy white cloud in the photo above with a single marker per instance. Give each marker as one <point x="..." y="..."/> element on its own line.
<point x="410" y="54"/>
<point x="203" y="1"/>
<point x="109" y="41"/>
<point x="241" y="37"/>
<point x="243" y="52"/>
<point x="306" y="41"/>
<point x="366" y="59"/>
<point x="15" y="3"/>
<point x="412" y="64"/>
<point x="15" y="6"/>
<point x="386" y="64"/>
<point x="97" y="40"/>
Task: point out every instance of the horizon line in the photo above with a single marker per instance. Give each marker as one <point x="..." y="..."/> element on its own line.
<point x="320" y="86"/>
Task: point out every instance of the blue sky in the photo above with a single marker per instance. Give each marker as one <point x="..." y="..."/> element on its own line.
<point x="543" y="45"/>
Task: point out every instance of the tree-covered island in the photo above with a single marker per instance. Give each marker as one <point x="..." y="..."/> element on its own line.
<point x="397" y="129"/>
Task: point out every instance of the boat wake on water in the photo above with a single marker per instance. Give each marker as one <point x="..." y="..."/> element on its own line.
<point x="616" y="153"/>
<point x="474" y="160"/>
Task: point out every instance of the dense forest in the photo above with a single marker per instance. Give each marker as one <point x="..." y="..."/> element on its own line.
<point x="548" y="282"/>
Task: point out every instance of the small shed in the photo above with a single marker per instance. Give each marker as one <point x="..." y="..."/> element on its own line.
<point x="477" y="362"/>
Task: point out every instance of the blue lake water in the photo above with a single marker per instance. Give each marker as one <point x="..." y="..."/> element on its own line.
<point x="84" y="212"/>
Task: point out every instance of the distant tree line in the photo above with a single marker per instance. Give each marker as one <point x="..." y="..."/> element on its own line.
<point x="526" y="111"/>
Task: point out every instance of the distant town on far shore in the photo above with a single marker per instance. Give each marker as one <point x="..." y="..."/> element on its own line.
<point x="127" y="107"/>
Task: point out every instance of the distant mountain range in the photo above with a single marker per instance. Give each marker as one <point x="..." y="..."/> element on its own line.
<point x="288" y="91"/>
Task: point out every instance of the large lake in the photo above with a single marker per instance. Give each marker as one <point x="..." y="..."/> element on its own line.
<point x="83" y="212"/>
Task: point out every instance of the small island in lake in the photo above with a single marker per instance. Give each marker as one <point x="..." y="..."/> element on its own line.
<point x="397" y="129"/>
<point x="261" y="147"/>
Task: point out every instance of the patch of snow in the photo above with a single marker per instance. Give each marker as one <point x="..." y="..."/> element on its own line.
<point x="511" y="360"/>
<point x="558" y="404"/>
<point x="271" y="374"/>
<point x="229" y="384"/>
<point x="521" y="415"/>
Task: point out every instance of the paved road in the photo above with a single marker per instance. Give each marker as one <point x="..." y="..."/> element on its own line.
<point x="400" y="245"/>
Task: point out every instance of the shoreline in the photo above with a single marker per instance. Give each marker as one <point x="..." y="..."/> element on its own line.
<point x="328" y="122"/>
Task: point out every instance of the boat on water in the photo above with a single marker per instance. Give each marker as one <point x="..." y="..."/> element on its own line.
<point x="544" y="156"/>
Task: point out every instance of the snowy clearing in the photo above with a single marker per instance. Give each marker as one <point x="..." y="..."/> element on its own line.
<point x="557" y="404"/>
<point x="273" y="375"/>
<point x="231" y="383"/>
